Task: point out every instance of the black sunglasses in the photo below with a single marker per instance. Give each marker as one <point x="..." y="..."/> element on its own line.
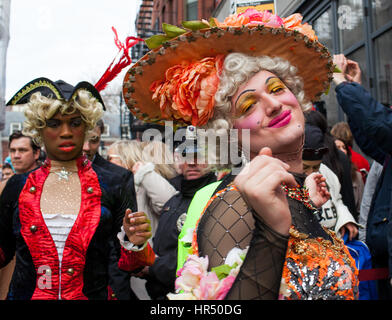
<point x="313" y="154"/>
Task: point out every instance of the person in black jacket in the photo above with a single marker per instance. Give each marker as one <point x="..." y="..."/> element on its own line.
<point x="336" y="160"/>
<point x="162" y="274"/>
<point x="371" y="125"/>
<point x="119" y="281"/>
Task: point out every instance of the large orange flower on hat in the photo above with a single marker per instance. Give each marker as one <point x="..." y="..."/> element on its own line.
<point x="293" y="22"/>
<point x="188" y="90"/>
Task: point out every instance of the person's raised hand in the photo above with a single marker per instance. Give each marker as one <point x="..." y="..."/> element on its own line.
<point x="353" y="71"/>
<point x="137" y="227"/>
<point x="260" y="185"/>
<point x="352" y="230"/>
<point x="350" y="70"/>
<point x="318" y="191"/>
<point x="340" y="62"/>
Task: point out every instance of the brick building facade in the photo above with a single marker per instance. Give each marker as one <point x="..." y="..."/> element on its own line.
<point x="176" y="11"/>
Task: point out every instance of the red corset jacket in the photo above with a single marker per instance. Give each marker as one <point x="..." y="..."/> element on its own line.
<point x="91" y="245"/>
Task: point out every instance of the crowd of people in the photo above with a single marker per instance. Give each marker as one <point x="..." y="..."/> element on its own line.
<point x="148" y="221"/>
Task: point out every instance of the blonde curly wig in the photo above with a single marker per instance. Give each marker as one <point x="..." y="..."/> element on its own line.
<point x="40" y="108"/>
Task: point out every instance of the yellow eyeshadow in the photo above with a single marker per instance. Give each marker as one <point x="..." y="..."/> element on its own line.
<point x="245" y="104"/>
<point x="274" y="84"/>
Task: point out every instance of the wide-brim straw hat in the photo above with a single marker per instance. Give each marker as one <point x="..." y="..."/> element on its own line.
<point x="312" y="60"/>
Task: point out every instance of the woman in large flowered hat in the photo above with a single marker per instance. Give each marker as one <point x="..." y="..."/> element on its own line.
<point x="259" y="238"/>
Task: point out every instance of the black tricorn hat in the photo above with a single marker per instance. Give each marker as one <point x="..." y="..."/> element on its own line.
<point x="53" y="89"/>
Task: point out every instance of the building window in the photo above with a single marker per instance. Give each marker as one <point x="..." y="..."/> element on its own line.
<point x="362" y="30"/>
<point x="157" y="26"/>
<point x="359" y="56"/>
<point x="15" y="126"/>
<point x="350" y="22"/>
<point x="384" y="67"/>
<point x="191" y="10"/>
<point x="381" y="13"/>
<point x="106" y="131"/>
<point x="323" y="28"/>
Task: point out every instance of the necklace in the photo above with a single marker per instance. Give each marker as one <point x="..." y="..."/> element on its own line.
<point x="300" y="194"/>
<point x="63" y="174"/>
<point x="294" y="155"/>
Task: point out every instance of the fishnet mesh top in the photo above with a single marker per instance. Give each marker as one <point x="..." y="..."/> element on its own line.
<point x="228" y="222"/>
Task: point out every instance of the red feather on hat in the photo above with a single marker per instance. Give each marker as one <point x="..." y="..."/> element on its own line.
<point x="125" y="60"/>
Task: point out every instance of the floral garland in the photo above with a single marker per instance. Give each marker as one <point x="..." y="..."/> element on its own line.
<point x="194" y="282"/>
<point x="250" y="17"/>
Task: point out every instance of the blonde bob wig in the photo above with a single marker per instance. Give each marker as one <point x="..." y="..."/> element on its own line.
<point x="40" y="108"/>
<point x="132" y="151"/>
<point x="160" y="155"/>
<point x="129" y="151"/>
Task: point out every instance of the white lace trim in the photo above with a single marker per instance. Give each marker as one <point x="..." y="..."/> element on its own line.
<point x="127" y="244"/>
<point x="59" y="226"/>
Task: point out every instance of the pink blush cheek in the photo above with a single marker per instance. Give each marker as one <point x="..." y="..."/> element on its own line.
<point x="289" y="99"/>
<point x="250" y="122"/>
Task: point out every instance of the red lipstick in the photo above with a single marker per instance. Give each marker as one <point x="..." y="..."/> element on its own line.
<point x="67" y="146"/>
<point x="281" y="120"/>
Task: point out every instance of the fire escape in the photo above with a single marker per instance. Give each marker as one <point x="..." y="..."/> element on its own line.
<point x="130" y="126"/>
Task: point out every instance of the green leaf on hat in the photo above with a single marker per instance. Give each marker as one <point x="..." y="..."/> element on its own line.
<point x="172" y="31"/>
<point x="212" y="22"/>
<point x="156" y="40"/>
<point x="195" y="25"/>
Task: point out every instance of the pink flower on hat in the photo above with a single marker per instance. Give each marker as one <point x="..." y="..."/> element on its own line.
<point x="262" y="17"/>
<point x="252" y="17"/>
